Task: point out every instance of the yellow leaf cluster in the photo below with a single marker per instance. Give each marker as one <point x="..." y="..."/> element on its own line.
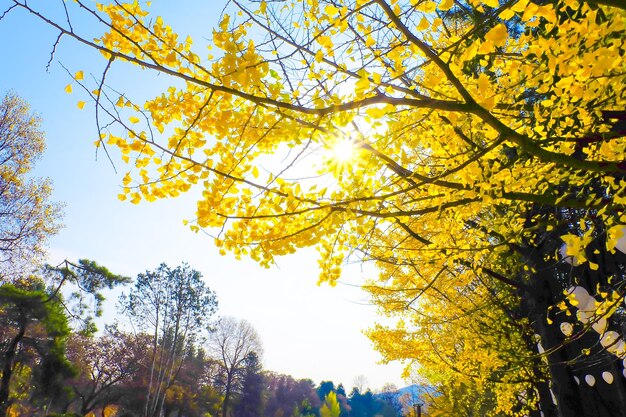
<point x="463" y="132"/>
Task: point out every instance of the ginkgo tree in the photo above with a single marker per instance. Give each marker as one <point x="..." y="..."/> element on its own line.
<point x="487" y="165"/>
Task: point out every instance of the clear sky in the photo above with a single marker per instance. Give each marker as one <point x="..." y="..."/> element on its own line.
<point x="308" y="331"/>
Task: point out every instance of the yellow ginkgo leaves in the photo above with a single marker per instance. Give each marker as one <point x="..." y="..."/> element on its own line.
<point x="424" y="24"/>
<point x="467" y="151"/>
<point x="498" y="34"/>
<point x="445" y="5"/>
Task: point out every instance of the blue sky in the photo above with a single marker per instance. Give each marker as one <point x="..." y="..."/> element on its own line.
<point x="307" y="330"/>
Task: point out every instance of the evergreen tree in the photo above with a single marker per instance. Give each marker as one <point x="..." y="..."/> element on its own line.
<point x="325" y="388"/>
<point x="363" y="405"/>
<point x="252" y="384"/>
<point x="33" y="333"/>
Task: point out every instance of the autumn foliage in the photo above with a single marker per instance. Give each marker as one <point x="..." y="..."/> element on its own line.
<point x="485" y="180"/>
<point x="27" y="217"/>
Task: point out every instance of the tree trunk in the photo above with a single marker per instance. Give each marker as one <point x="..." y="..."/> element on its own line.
<point x="7" y="370"/>
<point x="563" y="385"/>
<point x="576" y="379"/>
<point x="547" y="408"/>
<point x="225" y="404"/>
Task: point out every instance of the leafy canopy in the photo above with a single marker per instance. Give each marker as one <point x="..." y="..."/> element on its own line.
<point x="477" y="126"/>
<point x="27" y="217"/>
<point x="451" y="119"/>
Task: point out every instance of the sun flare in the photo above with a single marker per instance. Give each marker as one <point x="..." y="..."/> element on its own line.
<point x="344" y="150"/>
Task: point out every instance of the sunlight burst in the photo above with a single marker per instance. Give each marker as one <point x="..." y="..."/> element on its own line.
<point x="344" y="150"/>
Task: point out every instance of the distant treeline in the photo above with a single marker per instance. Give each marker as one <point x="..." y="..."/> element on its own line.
<point x="168" y="359"/>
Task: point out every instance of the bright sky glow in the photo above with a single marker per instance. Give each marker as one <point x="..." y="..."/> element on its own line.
<point x="308" y="331"/>
<point x="344" y="150"/>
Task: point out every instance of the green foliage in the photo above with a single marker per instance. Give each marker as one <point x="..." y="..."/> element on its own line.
<point x="250" y="401"/>
<point x="174" y="306"/>
<point x="85" y="281"/>
<point x="34" y="334"/>
<point x="363" y="404"/>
